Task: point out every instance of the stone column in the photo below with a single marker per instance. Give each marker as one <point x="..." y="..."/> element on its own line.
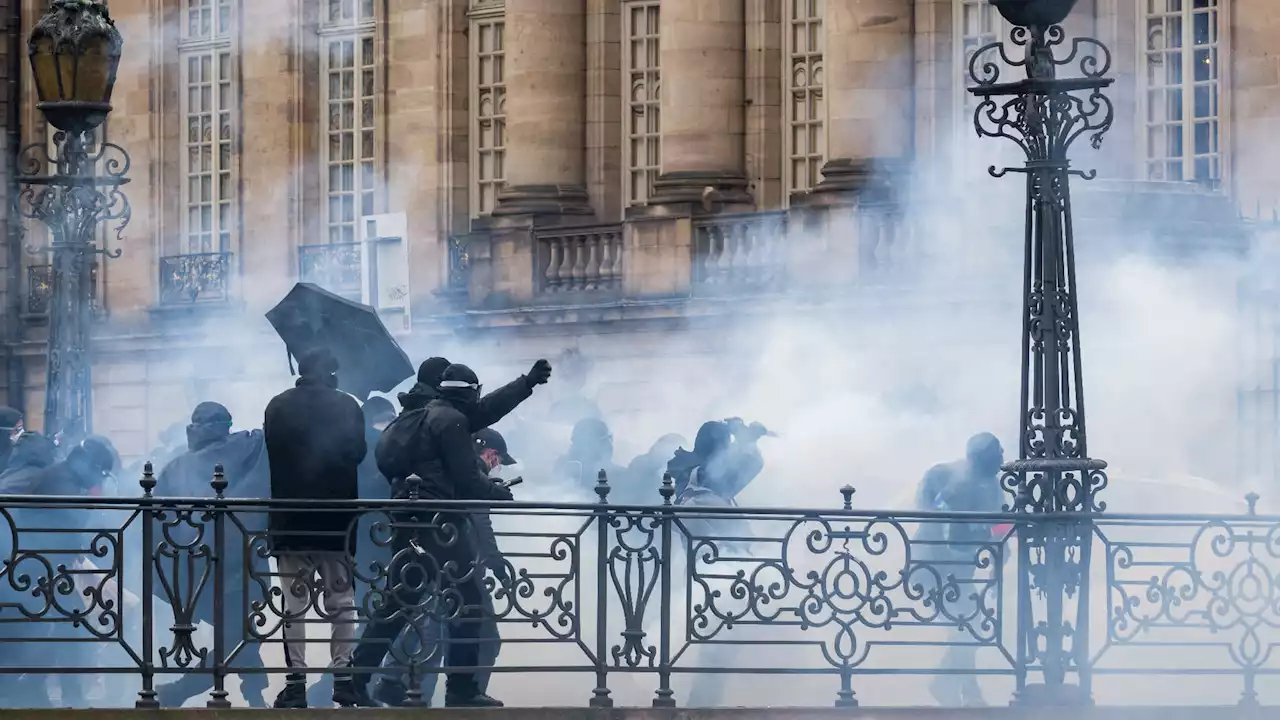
<point x="703" y="110"/>
<point x="546" y="108"/>
<point x="868" y="85"/>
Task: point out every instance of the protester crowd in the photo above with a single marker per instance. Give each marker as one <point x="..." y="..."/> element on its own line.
<point x="319" y="444"/>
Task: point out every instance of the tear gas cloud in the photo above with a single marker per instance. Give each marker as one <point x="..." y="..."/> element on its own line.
<point x="867" y="387"/>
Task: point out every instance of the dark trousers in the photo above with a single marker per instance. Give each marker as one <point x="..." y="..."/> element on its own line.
<point x="443" y="563"/>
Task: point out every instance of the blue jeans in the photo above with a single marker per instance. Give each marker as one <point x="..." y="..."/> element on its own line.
<point x="488" y="647"/>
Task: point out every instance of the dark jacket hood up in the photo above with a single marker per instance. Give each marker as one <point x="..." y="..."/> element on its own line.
<point x="417" y="397"/>
<point x="243" y="458"/>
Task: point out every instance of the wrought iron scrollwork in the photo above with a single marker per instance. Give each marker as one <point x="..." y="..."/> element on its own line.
<point x="195" y="277"/>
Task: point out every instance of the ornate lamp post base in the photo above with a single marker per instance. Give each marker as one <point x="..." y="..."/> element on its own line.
<point x="1054" y="477"/>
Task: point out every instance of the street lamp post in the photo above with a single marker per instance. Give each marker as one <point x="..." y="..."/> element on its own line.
<point x="1053" y="475"/>
<point x="72" y="187"/>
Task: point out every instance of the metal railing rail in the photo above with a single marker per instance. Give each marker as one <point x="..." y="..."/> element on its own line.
<point x="122" y="586"/>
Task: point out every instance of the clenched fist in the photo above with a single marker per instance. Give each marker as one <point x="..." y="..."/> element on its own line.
<point x="539" y="374"/>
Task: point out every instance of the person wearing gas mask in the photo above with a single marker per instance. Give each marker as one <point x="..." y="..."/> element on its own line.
<point x="725" y="459"/>
<point x="432" y="454"/>
<point x="492" y="451"/>
<point x="952" y="550"/>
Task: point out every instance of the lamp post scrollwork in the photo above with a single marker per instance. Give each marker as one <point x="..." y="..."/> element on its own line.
<point x="1044" y="115"/>
<point x="73" y="188"/>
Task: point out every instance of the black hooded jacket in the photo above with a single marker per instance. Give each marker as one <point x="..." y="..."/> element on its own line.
<point x="411" y="444"/>
<point x="443" y="455"/>
<point x="315" y="442"/>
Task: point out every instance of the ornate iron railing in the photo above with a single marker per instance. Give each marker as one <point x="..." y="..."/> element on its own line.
<point x="579" y="259"/>
<point x="40" y="287"/>
<point x="151" y="590"/>
<point x="740" y="253"/>
<point x="196" y="277"/>
<point x="336" y="267"/>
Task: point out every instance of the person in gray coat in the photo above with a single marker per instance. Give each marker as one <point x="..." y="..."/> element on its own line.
<point x="491" y="448"/>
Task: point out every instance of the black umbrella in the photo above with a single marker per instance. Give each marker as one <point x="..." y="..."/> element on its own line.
<point x="310" y="317"/>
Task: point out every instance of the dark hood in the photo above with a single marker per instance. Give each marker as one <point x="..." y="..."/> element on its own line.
<point x="32" y="450"/>
<point x="243" y="458"/>
<point x="418" y="397"/>
<point x="202" y="435"/>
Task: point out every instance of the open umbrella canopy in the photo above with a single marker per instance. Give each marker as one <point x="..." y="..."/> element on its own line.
<point x="370" y="359"/>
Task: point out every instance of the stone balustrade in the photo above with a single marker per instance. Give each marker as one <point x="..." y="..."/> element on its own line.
<point x="587" y="259"/>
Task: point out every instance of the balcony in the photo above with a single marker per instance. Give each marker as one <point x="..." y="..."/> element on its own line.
<point x="336" y="267"/>
<point x="661" y="265"/>
<point x="196" y="278"/>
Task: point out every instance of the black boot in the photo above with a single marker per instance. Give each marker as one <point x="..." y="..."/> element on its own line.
<point x="467" y="695"/>
<point x="294" y="694"/>
<point x="347" y="694"/>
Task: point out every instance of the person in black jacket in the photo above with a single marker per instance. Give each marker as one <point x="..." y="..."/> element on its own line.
<point x="435" y="447"/>
<point x="489" y="409"/>
<point x="209" y="443"/>
<point x="315" y="442"/>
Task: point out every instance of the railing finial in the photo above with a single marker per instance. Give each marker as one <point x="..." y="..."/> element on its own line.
<point x="1253" y="498"/>
<point x="415" y="486"/>
<point x="148" y="481"/>
<point x="219" y="482"/>
<point x="602" y="486"/>
<point x="668" y="489"/>
<point x="847" y="491"/>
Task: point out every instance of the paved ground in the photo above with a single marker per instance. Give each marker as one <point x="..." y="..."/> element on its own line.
<point x="1004" y="713"/>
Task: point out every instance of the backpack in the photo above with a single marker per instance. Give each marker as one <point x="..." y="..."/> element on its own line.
<point x="401" y="445"/>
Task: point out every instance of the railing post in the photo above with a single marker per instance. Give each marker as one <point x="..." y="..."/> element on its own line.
<point x="664" y="696"/>
<point x="147" y="696"/>
<point x="600" y="696"/>
<point x="846" y="697"/>
<point x="413" y="687"/>
<point x="218" y="511"/>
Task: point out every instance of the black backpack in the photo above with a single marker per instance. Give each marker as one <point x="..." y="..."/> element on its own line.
<point x="401" y="445"/>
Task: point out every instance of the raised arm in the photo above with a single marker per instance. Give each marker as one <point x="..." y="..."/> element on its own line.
<point x="499" y="403"/>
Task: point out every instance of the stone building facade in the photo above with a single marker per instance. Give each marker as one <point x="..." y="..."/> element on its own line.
<point x="541" y="174"/>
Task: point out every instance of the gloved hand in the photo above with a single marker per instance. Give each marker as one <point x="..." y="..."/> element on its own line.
<point x="500" y="493"/>
<point x="539" y="374"/>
